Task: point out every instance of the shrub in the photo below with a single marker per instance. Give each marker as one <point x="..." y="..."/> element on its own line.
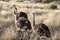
<point x="44" y="1"/>
<point x="35" y="1"/>
<point x="19" y="0"/>
<point x="52" y="6"/>
<point x="5" y="0"/>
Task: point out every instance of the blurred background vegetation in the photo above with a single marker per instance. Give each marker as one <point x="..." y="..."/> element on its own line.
<point x="37" y="1"/>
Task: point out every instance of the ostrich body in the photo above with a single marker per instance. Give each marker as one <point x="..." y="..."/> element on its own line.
<point x="41" y="28"/>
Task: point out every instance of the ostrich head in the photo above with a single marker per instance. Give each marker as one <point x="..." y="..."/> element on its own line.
<point x="19" y="14"/>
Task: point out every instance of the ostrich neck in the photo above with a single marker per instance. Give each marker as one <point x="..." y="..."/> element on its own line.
<point x="33" y="19"/>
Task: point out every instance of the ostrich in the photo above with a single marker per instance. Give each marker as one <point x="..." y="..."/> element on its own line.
<point x="41" y="28"/>
<point x="22" y="23"/>
<point x="22" y="20"/>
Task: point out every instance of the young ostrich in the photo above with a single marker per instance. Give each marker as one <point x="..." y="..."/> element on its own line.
<point x="22" y="20"/>
<point x="41" y="28"/>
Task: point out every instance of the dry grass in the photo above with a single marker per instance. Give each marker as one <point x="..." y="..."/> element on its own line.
<point x="7" y="25"/>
